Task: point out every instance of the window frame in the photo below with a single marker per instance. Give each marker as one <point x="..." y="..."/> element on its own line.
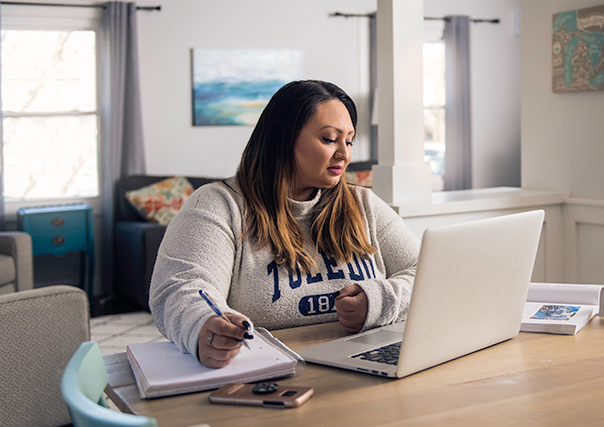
<point x="437" y="179"/>
<point x="58" y="19"/>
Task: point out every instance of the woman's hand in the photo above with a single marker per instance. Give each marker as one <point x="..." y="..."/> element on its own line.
<point x="219" y="341"/>
<point x="352" y="305"/>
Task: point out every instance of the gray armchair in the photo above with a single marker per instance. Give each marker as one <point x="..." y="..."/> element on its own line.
<point x="40" y="330"/>
<point x="16" y="264"/>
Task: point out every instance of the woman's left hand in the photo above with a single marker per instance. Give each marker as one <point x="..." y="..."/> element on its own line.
<point x="352" y="305"/>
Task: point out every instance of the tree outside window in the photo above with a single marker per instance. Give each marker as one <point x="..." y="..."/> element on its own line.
<point x="50" y="123"/>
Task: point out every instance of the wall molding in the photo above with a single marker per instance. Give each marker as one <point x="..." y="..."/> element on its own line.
<point x="571" y="249"/>
<point x="583" y="241"/>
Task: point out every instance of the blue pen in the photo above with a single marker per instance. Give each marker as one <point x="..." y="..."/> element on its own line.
<point x="213" y="306"/>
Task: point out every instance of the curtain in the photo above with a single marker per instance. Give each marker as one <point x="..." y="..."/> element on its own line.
<point x="458" y="122"/>
<point x="122" y="150"/>
<point x="1" y="152"/>
<point x="373" y="123"/>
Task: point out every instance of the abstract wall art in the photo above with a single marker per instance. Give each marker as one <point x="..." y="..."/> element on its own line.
<point x="232" y="86"/>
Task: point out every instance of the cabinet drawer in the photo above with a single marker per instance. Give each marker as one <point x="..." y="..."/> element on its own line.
<point x="55" y="222"/>
<point x="59" y="243"/>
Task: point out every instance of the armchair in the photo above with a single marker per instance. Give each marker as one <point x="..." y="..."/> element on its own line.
<point x="40" y="329"/>
<point x="16" y="262"/>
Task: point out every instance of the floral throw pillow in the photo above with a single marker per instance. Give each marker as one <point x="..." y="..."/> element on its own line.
<point x="362" y="178"/>
<point x="159" y="202"/>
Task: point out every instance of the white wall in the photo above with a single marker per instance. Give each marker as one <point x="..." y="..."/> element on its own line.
<point x="562" y="134"/>
<point x="563" y="143"/>
<point x="334" y="49"/>
<point x="495" y="74"/>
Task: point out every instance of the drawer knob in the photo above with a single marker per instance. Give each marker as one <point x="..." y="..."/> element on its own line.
<point x="58" y="240"/>
<point x="57" y="222"/>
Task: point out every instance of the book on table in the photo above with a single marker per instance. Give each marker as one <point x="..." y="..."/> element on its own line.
<point x="160" y="369"/>
<point x="561" y="308"/>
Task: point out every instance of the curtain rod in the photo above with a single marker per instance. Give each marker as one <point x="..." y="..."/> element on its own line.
<point x="371" y="15"/>
<point x="14" y="3"/>
<point x="446" y="18"/>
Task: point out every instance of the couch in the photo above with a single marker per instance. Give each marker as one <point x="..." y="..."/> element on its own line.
<point x="16" y="262"/>
<point x="136" y="241"/>
<point x="40" y="329"/>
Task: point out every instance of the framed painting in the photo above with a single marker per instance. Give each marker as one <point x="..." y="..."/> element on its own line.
<point x="577" y="50"/>
<point x="232" y="86"/>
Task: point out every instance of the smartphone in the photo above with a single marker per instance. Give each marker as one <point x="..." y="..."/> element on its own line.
<point x="244" y="394"/>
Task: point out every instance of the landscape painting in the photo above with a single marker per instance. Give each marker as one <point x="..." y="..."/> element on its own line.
<point x="232" y="86"/>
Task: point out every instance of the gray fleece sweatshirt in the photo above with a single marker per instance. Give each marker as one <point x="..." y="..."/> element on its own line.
<point x="202" y="249"/>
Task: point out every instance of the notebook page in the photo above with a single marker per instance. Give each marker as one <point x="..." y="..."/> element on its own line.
<point x="165" y="367"/>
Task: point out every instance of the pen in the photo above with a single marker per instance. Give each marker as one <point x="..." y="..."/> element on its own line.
<point x="213" y="306"/>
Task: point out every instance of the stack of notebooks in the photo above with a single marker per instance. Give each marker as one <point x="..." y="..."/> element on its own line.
<point x="161" y="369"/>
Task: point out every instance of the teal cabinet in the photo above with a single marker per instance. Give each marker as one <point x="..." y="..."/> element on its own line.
<point x="58" y="230"/>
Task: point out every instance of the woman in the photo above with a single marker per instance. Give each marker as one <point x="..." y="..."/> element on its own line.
<point x="287" y="242"/>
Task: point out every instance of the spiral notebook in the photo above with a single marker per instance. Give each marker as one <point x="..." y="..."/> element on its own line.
<point x="160" y="369"/>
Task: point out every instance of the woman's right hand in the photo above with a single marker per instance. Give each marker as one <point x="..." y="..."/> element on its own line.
<point x="225" y="341"/>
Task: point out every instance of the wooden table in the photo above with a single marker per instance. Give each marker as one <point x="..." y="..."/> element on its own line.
<point x="531" y="380"/>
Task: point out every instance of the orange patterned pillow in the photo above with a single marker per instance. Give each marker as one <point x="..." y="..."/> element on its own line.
<point x="159" y="202"/>
<point x="362" y="178"/>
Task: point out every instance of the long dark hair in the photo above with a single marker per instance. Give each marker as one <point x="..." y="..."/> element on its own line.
<point x="267" y="173"/>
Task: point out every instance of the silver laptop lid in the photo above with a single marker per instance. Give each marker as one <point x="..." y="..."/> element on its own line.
<point x="470" y="288"/>
<point x="469" y="293"/>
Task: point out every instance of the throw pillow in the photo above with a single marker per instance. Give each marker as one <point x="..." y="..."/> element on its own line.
<point x="159" y="202"/>
<point x="362" y="178"/>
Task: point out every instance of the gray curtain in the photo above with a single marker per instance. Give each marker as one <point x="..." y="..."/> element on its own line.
<point x="122" y="150"/>
<point x="1" y="154"/>
<point x="373" y="128"/>
<point x="458" y="122"/>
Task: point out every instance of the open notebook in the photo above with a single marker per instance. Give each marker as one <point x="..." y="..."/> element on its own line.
<point x="160" y="369"/>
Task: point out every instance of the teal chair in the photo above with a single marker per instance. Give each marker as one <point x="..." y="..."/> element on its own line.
<point x="82" y="387"/>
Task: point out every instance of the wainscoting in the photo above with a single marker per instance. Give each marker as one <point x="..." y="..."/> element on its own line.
<point x="583" y="241"/>
<point x="571" y="249"/>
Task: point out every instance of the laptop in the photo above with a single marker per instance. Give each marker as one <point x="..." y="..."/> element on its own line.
<point x="469" y="293"/>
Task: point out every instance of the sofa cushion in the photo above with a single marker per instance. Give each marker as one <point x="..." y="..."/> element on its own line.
<point x="136" y="247"/>
<point x="160" y="201"/>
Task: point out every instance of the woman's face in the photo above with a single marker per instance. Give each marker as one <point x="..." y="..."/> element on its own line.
<point x="322" y="150"/>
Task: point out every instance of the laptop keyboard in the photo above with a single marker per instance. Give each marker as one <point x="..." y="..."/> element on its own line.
<point x="387" y="354"/>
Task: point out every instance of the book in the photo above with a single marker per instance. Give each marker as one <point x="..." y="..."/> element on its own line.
<point x="561" y="308"/>
<point x="160" y="369"/>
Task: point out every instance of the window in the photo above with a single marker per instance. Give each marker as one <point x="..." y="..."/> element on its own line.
<point x="434" y="109"/>
<point x="50" y="125"/>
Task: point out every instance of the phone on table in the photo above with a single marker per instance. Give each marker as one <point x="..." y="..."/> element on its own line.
<point x="265" y="394"/>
